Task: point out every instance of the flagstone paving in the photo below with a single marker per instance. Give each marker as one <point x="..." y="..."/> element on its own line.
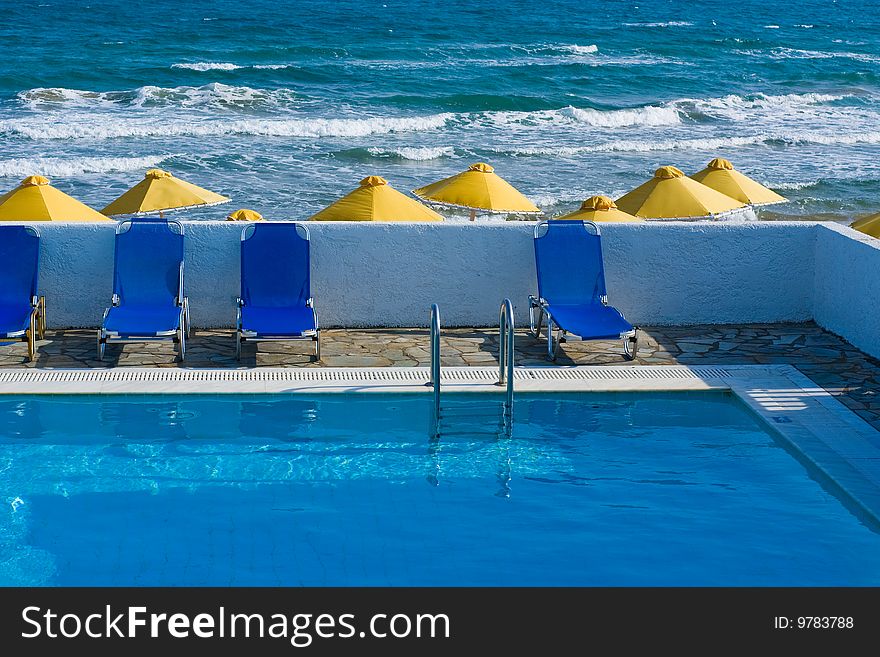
<point x="828" y="360"/>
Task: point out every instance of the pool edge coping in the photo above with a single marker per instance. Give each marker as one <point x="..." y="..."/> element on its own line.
<point x="805" y="416"/>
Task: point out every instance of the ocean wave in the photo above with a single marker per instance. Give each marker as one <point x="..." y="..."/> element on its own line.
<point x="798" y="53"/>
<point x="214" y="95"/>
<point x="100" y="127"/>
<point x="706" y="144"/>
<point x="748" y="108"/>
<point x="417" y="154"/>
<point x="208" y="66"/>
<point x="731" y="107"/>
<point x="650" y="115"/>
<point x="227" y="66"/>
<point x="792" y="186"/>
<point x="51" y="166"/>
<point x="663" y="24"/>
<point x="580" y="50"/>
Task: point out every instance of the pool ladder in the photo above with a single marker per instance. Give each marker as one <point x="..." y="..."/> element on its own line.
<point x="505" y="363"/>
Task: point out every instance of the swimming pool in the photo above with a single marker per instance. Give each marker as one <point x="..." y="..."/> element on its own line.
<point x="677" y="488"/>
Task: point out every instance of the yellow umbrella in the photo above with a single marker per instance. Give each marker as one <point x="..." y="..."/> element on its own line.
<point x="244" y="215"/>
<point x="868" y="225"/>
<point x="36" y="200"/>
<point x="722" y="177"/>
<point x="599" y="208"/>
<point x="376" y="200"/>
<point x="672" y="195"/>
<point x="478" y="188"/>
<point x="160" y="191"/>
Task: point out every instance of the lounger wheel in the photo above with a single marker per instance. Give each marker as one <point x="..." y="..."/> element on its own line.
<point x="631" y="346"/>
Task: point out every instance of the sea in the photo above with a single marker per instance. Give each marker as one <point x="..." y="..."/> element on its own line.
<point x="285" y="106"/>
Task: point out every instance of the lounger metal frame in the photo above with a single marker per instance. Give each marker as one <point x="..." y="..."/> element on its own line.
<point x="36" y="329"/>
<point x="630" y="338"/>
<point x="179" y="335"/>
<point x="252" y="336"/>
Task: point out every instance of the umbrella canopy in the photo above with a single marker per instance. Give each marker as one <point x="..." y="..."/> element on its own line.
<point x="160" y="191"/>
<point x="376" y="200"/>
<point x="244" y="215"/>
<point x="672" y="195"/>
<point x="599" y="208"/>
<point x="868" y="225"/>
<point x="722" y="177"/>
<point x="36" y="200"/>
<point x="478" y="188"/>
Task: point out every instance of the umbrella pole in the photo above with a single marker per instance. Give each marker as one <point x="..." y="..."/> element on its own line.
<point x="473" y="215"/>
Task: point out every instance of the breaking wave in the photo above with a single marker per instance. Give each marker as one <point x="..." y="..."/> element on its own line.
<point x="417" y="154"/>
<point x="51" y="166"/>
<point x="96" y="127"/>
<point x="214" y="95"/>
<point x="208" y="66"/>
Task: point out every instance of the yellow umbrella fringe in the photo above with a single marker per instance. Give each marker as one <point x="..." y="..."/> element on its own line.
<point x="185" y="207"/>
<point x="444" y="204"/>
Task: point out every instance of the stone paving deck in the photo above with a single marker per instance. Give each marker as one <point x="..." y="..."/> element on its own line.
<point x="829" y="361"/>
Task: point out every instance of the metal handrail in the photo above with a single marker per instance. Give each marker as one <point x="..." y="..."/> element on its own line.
<point x="434" y="379"/>
<point x="505" y="353"/>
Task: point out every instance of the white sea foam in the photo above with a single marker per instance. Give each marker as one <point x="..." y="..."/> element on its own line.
<point x="52" y="166"/>
<point x="102" y="127"/>
<point x="771" y="27"/>
<point x="418" y="154"/>
<point x="794" y="185"/>
<point x="751" y="108"/>
<point x="214" y="94"/>
<point x="273" y="67"/>
<point x="798" y="53"/>
<point x="208" y="66"/>
<point x="581" y="50"/>
<point x="707" y="144"/>
<point x="663" y="24"/>
<point x="640" y="116"/>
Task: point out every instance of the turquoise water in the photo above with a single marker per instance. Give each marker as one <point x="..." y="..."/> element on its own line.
<point x="599" y="489"/>
<point x="285" y="106"/>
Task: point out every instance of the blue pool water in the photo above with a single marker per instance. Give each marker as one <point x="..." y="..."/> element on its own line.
<point x="599" y="489"/>
<point x="285" y="106"/>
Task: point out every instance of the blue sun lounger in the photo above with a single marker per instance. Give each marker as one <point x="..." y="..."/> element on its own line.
<point x="22" y="310"/>
<point x="276" y="300"/>
<point x="148" y="300"/>
<point x="571" y="288"/>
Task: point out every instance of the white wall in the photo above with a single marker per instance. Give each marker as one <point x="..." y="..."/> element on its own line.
<point x="367" y="274"/>
<point x="847" y="285"/>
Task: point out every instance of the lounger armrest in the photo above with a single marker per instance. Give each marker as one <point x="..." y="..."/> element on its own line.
<point x="181" y="299"/>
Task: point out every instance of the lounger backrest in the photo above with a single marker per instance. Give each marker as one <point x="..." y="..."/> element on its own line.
<point x="146" y="267"/>
<point x="275" y="265"/>
<point x="568" y="260"/>
<point x="19" y="264"/>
